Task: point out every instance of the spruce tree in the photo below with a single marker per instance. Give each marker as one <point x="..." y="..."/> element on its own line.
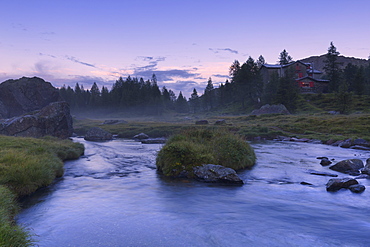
<point x="332" y="68"/>
<point x="284" y="58"/>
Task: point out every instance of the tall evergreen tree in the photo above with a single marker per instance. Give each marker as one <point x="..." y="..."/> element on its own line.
<point x="261" y="61"/>
<point x="181" y="104"/>
<point x="332" y="68"/>
<point x="194" y="101"/>
<point x="209" y="95"/>
<point x="284" y="58"/>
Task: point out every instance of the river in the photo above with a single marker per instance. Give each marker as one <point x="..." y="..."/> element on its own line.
<point x="113" y="196"/>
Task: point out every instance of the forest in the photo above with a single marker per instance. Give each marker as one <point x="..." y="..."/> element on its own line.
<point x="245" y="90"/>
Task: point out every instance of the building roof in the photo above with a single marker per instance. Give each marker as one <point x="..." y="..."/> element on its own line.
<point x="313" y="79"/>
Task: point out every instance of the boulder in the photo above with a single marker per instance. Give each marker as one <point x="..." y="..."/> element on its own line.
<point x="220" y="122"/>
<point x="18" y="97"/>
<point x="54" y="120"/>
<point x="271" y="109"/>
<point x="201" y="122"/>
<point x="361" y="142"/>
<point x="366" y="169"/>
<point x="357" y="188"/>
<point x="216" y="174"/>
<point x="336" y="184"/>
<point x="351" y="166"/>
<point x="98" y="134"/>
<point x="313" y="172"/>
<point x="346" y="144"/>
<point x="324" y="161"/>
<point x="141" y="136"/>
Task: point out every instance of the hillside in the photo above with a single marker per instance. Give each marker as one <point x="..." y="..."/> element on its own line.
<point x="318" y="61"/>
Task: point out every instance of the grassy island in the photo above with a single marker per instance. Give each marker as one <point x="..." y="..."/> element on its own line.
<point x="196" y="146"/>
<point x="27" y="164"/>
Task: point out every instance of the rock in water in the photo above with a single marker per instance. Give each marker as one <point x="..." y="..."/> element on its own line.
<point x="98" y="134"/>
<point x="336" y="184"/>
<point x="216" y="174"/>
<point x="351" y="166"/>
<point x="357" y="188"/>
<point x="54" y="120"/>
<point x="366" y="169"/>
<point x="141" y="136"/>
<point x="24" y="95"/>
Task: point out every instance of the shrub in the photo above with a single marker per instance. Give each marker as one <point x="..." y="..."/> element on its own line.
<point x="197" y="146"/>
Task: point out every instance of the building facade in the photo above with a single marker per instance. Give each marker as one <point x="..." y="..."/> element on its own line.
<point x="306" y="76"/>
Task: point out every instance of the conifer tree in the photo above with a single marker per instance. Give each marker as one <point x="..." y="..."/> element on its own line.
<point x="284" y="58"/>
<point x="332" y="68"/>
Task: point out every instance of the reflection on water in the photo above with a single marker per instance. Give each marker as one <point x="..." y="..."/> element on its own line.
<point x="113" y="197"/>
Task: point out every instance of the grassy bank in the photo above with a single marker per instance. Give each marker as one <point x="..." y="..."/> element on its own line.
<point x="196" y="146"/>
<point x="322" y="126"/>
<point x="27" y="164"/>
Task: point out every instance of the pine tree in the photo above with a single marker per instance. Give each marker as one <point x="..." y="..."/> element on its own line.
<point x="194" y="101"/>
<point x="332" y="68"/>
<point x="284" y="58"/>
<point x="209" y="95"/>
<point x="181" y="104"/>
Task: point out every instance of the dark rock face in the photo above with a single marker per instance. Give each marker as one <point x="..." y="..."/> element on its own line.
<point x="351" y="166"/>
<point x="271" y="109"/>
<point x="336" y="184"/>
<point x="54" y="119"/>
<point x="98" y="134"/>
<point x="216" y="174"/>
<point x="24" y="95"/>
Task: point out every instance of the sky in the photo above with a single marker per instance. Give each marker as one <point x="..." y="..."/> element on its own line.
<point x="184" y="43"/>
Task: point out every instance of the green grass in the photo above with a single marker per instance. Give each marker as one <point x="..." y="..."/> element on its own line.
<point x="27" y="164"/>
<point x="196" y="146"/>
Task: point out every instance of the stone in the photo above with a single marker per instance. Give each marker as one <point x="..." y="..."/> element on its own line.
<point x="336" y="184"/>
<point x="271" y="109"/>
<point x="346" y="144"/>
<point x="201" y="122"/>
<point x="359" y="147"/>
<point x="216" y="174"/>
<point x="325" y="162"/>
<point x="361" y="142"/>
<point x="141" y="136"/>
<point x="313" y="172"/>
<point x="98" y="134"/>
<point x="18" y="97"/>
<point x="220" y="122"/>
<point x="366" y="169"/>
<point x="54" y="120"/>
<point x="160" y="140"/>
<point x="357" y="188"/>
<point x="351" y="166"/>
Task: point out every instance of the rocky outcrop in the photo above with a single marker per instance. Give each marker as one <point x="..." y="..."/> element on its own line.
<point x="18" y="97"/>
<point x="98" y="134"/>
<point x="271" y="109"/>
<point x="54" y="120"/>
<point x="336" y="184"/>
<point x="216" y="174"/>
<point x="351" y="166"/>
<point x="141" y="136"/>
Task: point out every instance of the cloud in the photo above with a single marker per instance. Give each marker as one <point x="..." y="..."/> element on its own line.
<point x="73" y="59"/>
<point x="48" y="55"/>
<point x="153" y="63"/>
<point x="19" y="26"/>
<point x="218" y="50"/>
<point x="221" y="76"/>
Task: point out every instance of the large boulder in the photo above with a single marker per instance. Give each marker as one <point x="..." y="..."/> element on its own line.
<point x="336" y="184"/>
<point x="18" y="97"/>
<point x="366" y="169"/>
<point x="216" y="174"/>
<point x="54" y="120"/>
<point x="271" y="109"/>
<point x="98" y="134"/>
<point x="351" y="166"/>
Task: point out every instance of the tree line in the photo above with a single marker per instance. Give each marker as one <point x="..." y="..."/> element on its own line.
<point x="245" y="89"/>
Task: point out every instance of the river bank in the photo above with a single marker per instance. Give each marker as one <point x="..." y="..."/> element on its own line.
<point x="27" y="164"/>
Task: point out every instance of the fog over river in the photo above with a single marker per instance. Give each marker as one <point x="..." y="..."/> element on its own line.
<point x="113" y="196"/>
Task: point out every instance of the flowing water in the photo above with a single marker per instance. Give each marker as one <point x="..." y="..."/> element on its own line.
<point x="113" y="196"/>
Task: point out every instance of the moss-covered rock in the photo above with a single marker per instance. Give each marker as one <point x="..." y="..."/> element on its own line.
<point x="196" y="146"/>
